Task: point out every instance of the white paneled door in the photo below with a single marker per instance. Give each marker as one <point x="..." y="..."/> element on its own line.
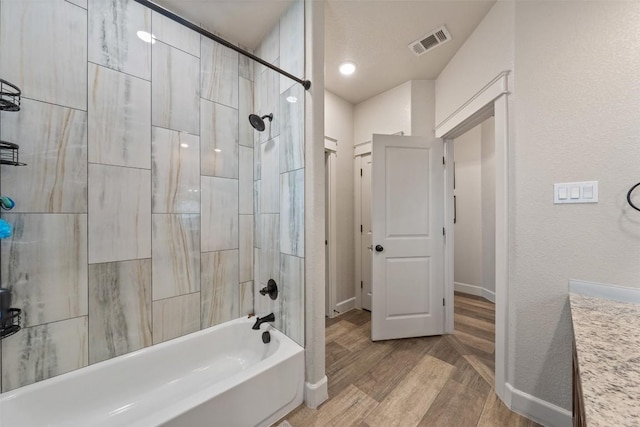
<point x="407" y="196"/>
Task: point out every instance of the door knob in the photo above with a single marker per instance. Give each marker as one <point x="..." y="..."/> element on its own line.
<point x="379" y="248"/>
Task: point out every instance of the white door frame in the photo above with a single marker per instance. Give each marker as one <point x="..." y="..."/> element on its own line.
<point x="493" y="98"/>
<point x="360" y="150"/>
<point x="357" y="166"/>
<point x="331" y="147"/>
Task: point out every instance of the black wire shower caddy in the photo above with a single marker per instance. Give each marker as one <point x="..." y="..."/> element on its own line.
<point x="11" y="324"/>
<point x="10" y="95"/>
<point x="10" y="154"/>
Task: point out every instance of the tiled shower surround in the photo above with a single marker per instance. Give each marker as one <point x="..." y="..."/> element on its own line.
<point x="149" y="208"/>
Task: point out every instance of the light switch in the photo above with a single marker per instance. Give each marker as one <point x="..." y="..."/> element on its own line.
<point x="587" y="191"/>
<point x="575" y="192"/>
<point x="562" y="192"/>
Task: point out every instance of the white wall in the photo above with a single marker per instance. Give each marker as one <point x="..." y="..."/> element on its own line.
<point x="487" y="52"/>
<point x="487" y="154"/>
<point x="468" y="227"/>
<point x="574" y="97"/>
<point x="408" y="108"/>
<point x="339" y="125"/>
<point x="386" y="113"/>
<point x="423" y="107"/>
<point x="576" y="118"/>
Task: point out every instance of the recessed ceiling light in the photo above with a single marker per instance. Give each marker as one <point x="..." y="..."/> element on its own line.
<point x="217" y="150"/>
<point x="183" y="145"/>
<point x="347" y="68"/>
<point x="292" y="99"/>
<point x="146" y="37"/>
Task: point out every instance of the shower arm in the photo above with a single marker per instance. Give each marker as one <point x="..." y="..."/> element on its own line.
<point x="180" y="20"/>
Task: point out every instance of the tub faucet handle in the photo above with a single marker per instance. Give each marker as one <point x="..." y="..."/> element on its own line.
<point x="271" y="289"/>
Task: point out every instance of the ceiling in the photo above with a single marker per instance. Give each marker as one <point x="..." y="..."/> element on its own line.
<point x="375" y="34"/>
<point x="245" y="22"/>
<point x="372" y="33"/>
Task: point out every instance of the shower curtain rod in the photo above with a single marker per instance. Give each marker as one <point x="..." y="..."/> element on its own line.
<point x="180" y="20"/>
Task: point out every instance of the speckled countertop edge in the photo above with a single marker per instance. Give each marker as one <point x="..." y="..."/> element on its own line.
<point x="607" y="335"/>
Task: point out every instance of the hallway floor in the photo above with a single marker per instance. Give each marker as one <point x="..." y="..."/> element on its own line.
<point x="435" y="381"/>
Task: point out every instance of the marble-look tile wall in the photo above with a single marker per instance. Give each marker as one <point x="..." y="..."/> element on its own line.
<point x="135" y="220"/>
<point x="278" y="170"/>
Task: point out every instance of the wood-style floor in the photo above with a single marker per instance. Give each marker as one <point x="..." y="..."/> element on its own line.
<point x="435" y="381"/>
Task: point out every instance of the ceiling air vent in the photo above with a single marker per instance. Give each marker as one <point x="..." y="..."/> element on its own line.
<point x="430" y="41"/>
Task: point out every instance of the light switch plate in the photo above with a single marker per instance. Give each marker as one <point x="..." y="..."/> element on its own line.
<point x="575" y="192"/>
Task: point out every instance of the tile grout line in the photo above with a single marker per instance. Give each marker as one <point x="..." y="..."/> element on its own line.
<point x="200" y="322"/>
<point x="240" y="258"/>
<point x="115" y="70"/>
<point x="170" y="45"/>
<point x="88" y="191"/>
<point x="54" y="322"/>
<point x="151" y="320"/>
<point x="176" y="296"/>
<point x="176" y="130"/>
<point x="54" y="104"/>
<point x="119" y="166"/>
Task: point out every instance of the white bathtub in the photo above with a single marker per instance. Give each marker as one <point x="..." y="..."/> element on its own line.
<point x="221" y="376"/>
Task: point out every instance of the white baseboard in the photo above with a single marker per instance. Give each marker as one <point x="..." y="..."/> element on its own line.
<point x="346" y="305"/>
<point x="489" y="295"/>
<point x="467" y="289"/>
<point x="316" y="394"/>
<point x="475" y="290"/>
<point x="536" y="409"/>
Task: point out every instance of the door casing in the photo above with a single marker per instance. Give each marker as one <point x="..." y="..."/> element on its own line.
<point x="360" y="150"/>
<point x="361" y="154"/>
<point x="490" y="100"/>
<point x="365" y="241"/>
<point x="331" y="250"/>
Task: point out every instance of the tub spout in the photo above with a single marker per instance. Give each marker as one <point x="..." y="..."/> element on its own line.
<point x="260" y="320"/>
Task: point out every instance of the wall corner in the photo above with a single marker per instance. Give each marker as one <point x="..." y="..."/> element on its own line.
<point x="314" y="203"/>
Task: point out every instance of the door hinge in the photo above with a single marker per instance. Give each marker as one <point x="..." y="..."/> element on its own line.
<point x="444" y="232"/>
<point x="443" y="162"/>
<point x="361" y="172"/>
<point x="361" y="284"/>
<point x="360" y="228"/>
<point x="443" y="304"/>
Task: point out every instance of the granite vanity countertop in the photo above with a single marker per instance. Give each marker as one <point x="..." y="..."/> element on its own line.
<point x="607" y="335"/>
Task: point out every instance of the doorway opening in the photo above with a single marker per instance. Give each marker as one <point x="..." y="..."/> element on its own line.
<point x="362" y="168"/>
<point x="330" y="150"/>
<point x="491" y="100"/>
<point x="474" y="244"/>
<point x="363" y="229"/>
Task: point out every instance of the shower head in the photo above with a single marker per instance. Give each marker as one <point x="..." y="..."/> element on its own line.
<point x="258" y="122"/>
